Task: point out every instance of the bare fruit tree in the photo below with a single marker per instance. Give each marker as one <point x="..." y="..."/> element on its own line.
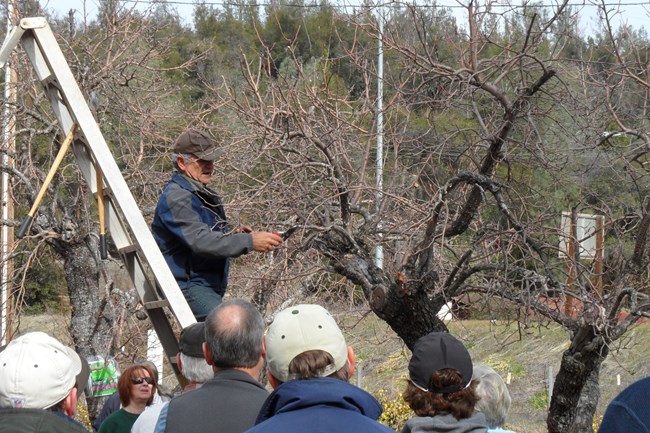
<point x="492" y="130"/>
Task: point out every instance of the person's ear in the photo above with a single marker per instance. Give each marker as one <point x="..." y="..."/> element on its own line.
<point x="264" y="347"/>
<point x="275" y="382"/>
<point x="70" y="403"/>
<point x="179" y="364"/>
<point x="350" y="362"/>
<point x="180" y="162"/>
<point x="206" y="354"/>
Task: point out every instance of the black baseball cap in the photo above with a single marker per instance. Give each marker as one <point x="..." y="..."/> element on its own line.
<point x="437" y="351"/>
<point x="192" y="339"/>
<point x="197" y="143"/>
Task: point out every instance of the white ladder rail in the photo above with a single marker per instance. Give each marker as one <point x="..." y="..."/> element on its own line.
<point x="125" y="222"/>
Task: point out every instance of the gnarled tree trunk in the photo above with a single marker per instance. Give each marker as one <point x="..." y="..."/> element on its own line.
<point x="574" y="383"/>
<point x="93" y="313"/>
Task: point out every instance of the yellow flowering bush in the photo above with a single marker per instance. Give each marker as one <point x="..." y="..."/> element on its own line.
<point x="396" y="410"/>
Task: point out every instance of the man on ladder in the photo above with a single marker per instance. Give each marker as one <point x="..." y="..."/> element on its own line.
<point x="191" y="229"/>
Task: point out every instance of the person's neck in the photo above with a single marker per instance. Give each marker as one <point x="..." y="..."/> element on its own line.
<point x="136" y="407"/>
<point x="253" y="372"/>
<point x="191" y="386"/>
<point x="191" y="179"/>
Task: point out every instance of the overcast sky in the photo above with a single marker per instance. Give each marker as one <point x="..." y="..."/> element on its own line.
<point x="632" y="12"/>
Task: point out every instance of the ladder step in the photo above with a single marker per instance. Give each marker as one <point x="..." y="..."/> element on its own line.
<point x="51" y="81"/>
<point x="107" y="193"/>
<point x="129" y="249"/>
<point x="152" y="305"/>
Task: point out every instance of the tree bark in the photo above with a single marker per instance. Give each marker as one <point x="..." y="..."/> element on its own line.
<point x="93" y="313"/>
<point x="584" y="419"/>
<point x="406" y="306"/>
<point x="574" y="383"/>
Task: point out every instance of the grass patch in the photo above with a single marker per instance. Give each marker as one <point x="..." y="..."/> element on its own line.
<point x="505" y="365"/>
<point x="539" y="400"/>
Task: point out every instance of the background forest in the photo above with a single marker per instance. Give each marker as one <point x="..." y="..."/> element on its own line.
<point x="489" y="128"/>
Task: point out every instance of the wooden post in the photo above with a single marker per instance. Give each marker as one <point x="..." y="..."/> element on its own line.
<point x="550" y="381"/>
<point x="7" y="314"/>
<point x="571" y="265"/>
<point x="600" y="247"/>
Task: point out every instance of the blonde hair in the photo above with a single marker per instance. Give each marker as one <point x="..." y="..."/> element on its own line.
<point x="494" y="397"/>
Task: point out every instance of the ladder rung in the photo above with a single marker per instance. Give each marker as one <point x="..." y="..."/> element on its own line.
<point x="129" y="249"/>
<point x="51" y="81"/>
<point x="152" y="305"/>
<point x="107" y="193"/>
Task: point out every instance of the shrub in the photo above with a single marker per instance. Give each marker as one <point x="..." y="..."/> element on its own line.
<point x="396" y="411"/>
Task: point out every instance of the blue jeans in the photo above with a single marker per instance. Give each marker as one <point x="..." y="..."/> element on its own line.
<point x="201" y="300"/>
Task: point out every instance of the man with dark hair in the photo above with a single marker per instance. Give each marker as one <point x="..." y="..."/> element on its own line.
<point x="191" y="230"/>
<point x="40" y="380"/>
<point x="230" y="401"/>
<point x="309" y="365"/>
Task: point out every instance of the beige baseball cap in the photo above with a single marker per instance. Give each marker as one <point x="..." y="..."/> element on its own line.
<point x="37" y="372"/>
<point x="301" y="328"/>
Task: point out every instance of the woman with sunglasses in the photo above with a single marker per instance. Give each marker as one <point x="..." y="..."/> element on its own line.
<point x="136" y="387"/>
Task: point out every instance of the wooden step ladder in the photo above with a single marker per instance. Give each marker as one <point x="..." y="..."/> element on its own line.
<point x="146" y="265"/>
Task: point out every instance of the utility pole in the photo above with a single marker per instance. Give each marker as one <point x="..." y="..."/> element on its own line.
<point x="6" y="205"/>
<point x="379" y="251"/>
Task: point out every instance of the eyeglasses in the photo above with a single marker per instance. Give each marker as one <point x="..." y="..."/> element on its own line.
<point x="139" y="380"/>
<point x="190" y="158"/>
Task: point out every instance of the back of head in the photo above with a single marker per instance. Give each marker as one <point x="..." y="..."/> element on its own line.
<point x="190" y="345"/>
<point x="440" y="377"/>
<point x="234" y="332"/>
<point x="494" y="398"/>
<point x="152" y="368"/>
<point x="38" y="372"/>
<point x="304" y="341"/>
<point x="196" y="369"/>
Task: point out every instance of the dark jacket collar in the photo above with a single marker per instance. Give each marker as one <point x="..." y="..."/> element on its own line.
<point x="303" y="394"/>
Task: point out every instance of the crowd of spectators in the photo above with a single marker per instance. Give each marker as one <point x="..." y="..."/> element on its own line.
<point x="308" y="364"/>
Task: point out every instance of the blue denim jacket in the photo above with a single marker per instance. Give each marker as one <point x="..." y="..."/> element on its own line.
<point x="191" y="230"/>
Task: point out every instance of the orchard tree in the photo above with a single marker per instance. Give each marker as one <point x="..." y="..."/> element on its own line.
<point x="489" y="135"/>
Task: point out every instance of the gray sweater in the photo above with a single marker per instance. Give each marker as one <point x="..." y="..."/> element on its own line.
<point x="446" y="424"/>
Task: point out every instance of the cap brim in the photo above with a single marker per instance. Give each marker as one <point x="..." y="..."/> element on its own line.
<point x="210" y="154"/>
<point x="81" y="365"/>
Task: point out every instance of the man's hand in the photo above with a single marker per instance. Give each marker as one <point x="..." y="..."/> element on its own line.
<point x="244" y="229"/>
<point x="265" y="242"/>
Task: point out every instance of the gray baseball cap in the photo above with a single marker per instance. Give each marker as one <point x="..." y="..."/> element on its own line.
<point x="197" y="143"/>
